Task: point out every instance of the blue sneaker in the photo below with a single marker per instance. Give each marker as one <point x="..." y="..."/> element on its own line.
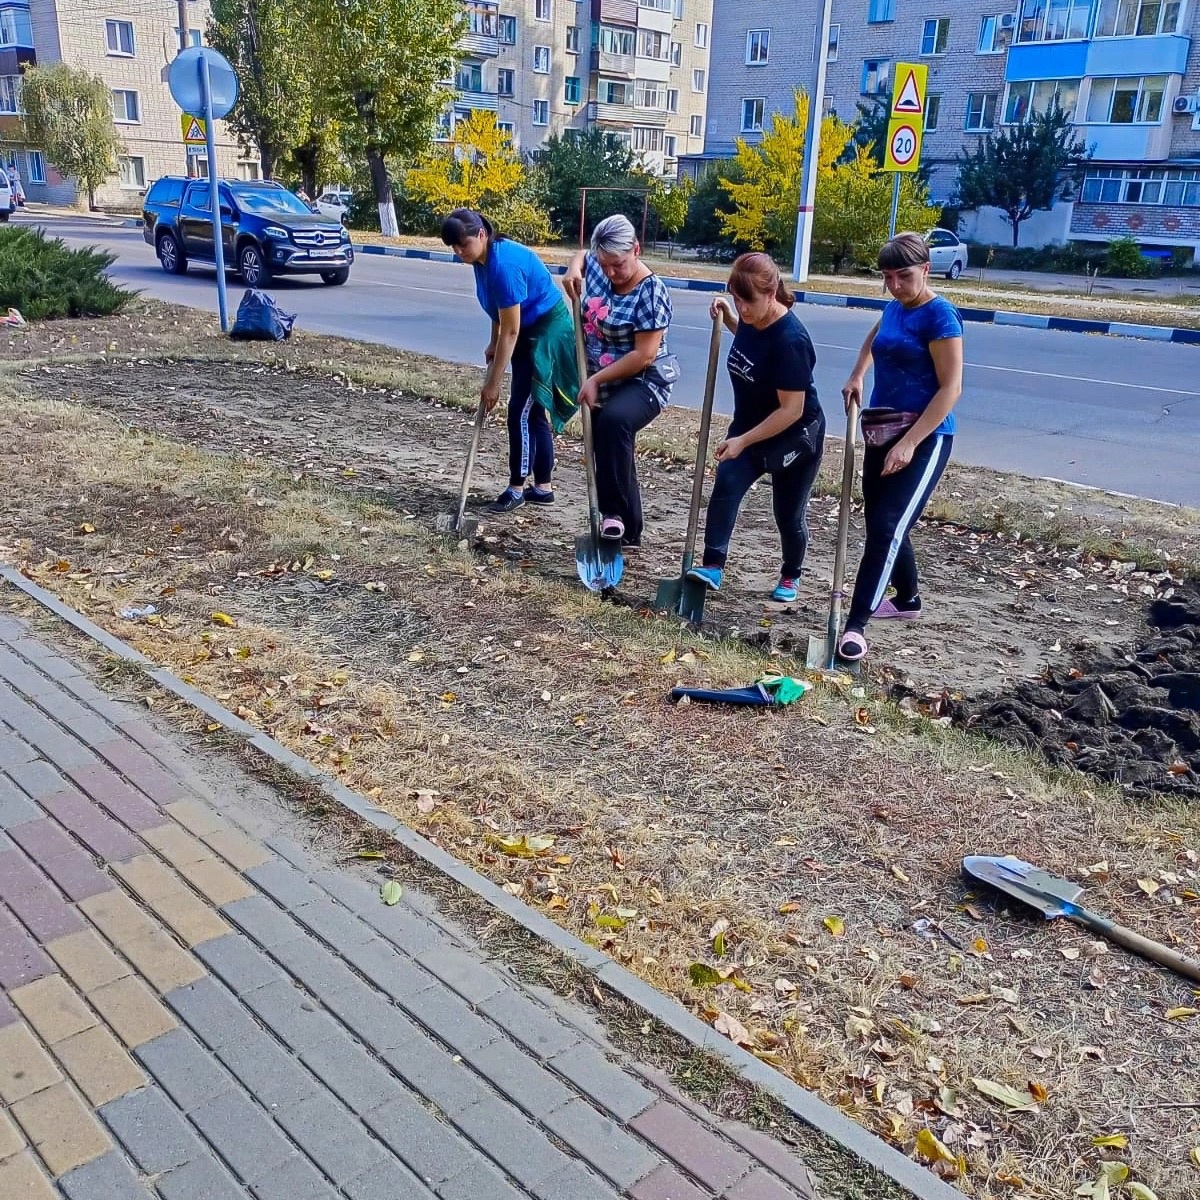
<point x="787" y="590"/>
<point x="709" y="576"/>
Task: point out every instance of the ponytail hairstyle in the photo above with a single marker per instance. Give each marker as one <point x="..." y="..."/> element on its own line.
<point x="463" y="223"/>
<point x="757" y="275"/>
<point x="904" y="250"/>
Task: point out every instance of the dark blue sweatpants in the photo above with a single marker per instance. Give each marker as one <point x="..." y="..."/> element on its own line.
<point x="530" y="440"/>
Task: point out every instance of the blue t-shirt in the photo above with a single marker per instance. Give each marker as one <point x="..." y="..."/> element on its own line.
<point x="905" y="376"/>
<point x="513" y="274"/>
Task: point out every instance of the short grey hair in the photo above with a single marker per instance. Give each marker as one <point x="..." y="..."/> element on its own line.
<point x="614" y="235"/>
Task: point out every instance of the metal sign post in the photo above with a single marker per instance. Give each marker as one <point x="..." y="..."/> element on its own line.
<point x="812" y="147"/>
<point x="204" y="85"/>
<point x="906" y="127"/>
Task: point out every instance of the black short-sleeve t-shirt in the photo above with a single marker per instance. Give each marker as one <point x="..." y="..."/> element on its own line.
<point x="764" y="362"/>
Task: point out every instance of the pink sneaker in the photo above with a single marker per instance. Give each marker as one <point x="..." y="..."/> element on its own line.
<point x="887" y="611"/>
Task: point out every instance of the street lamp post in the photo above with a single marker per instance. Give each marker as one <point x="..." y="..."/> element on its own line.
<point x="812" y="147"/>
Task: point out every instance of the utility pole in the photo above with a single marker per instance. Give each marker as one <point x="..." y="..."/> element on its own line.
<point x="184" y="22"/>
<point x="812" y="147"/>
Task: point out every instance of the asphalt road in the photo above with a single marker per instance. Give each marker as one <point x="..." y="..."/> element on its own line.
<point x="1115" y="413"/>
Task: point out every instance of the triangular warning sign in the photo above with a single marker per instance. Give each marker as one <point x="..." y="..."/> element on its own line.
<point x="908" y="100"/>
<point x="194" y="132"/>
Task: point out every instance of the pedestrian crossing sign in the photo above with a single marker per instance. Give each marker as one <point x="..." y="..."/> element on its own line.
<point x="193" y="129"/>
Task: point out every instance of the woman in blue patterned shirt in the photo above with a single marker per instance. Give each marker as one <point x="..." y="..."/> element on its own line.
<point x="626" y="312"/>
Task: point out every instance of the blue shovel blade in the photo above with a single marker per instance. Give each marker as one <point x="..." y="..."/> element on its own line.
<point x="600" y="568"/>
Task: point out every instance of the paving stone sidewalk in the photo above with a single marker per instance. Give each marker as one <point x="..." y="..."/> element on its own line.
<point x="195" y="1008"/>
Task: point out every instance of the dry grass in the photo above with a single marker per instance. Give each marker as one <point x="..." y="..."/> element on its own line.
<point x="477" y="701"/>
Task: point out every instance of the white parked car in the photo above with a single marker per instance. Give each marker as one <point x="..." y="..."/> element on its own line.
<point x="8" y="201"/>
<point x="334" y="202"/>
<point x="947" y="255"/>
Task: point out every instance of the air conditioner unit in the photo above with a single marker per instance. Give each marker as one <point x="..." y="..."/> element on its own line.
<point x="1008" y="21"/>
<point x="1186" y="104"/>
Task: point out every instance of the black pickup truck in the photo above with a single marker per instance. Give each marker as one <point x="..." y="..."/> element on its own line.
<point x="266" y="230"/>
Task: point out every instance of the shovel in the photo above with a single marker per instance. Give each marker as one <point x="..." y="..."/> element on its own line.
<point x="453" y="523"/>
<point x="683" y="595"/>
<point x="822" y="651"/>
<point x="597" y="560"/>
<point x="1054" y="897"/>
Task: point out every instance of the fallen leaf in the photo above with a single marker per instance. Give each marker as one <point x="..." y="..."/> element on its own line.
<point x="1110" y="1141"/>
<point x="1008" y="1096"/>
<point x="1180" y="1014"/>
<point x="908" y="981"/>
<point x="1070" y="953"/>
<point x="369" y="854"/>
<point x="610" y="922"/>
<point x="1008" y="995"/>
<point x="525" y="845"/>
<point x="1149" y="886"/>
<point x="836" y="926"/>
<point x="785" y="987"/>
<point x="220" y="618"/>
<point x="702" y="975"/>
<point x="862" y="716"/>
<point x="733" y="1029"/>
<point x="928" y="1146"/>
<point x="1139" y="1191"/>
<point x="87" y="528"/>
<point x="980" y="946"/>
<point x="391" y="892"/>
<point x="790" y="907"/>
<point x="669" y="657"/>
<point x="1194" y="1155"/>
<point x="1038" y="1091"/>
<point x="899" y="874"/>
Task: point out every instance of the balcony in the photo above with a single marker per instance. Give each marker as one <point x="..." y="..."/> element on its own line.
<point x="615" y="12"/>
<point x="1129" y="143"/>
<point x="465" y="99"/>
<point x="482" y="36"/>
<point x="1165" y="55"/>
<point x="656" y="117"/>
<point x="607" y="63"/>
<point x="610" y="114"/>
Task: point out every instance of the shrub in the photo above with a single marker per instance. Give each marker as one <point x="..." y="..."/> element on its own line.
<point x="1125" y="259"/>
<point x="523" y="221"/>
<point x="43" y="277"/>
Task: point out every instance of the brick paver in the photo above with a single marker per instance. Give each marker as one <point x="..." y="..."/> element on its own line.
<point x="190" y="1012"/>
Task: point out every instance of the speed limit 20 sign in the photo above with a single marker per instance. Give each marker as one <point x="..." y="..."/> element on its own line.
<point x="907" y="118"/>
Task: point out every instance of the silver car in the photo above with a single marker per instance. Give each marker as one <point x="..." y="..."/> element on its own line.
<point x="947" y="255"/>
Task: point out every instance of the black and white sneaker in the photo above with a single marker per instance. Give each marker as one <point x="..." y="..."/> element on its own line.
<point x="506" y="501"/>
<point x="533" y="495"/>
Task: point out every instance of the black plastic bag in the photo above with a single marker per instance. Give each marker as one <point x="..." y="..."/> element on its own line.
<point x="260" y="319"/>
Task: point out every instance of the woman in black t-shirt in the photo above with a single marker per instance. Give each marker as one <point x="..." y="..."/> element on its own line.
<point x="777" y="428"/>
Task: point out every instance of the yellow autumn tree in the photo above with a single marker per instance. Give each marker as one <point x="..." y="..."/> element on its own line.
<point x="477" y="169"/>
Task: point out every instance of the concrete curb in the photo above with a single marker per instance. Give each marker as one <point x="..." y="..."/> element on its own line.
<point x="812" y="1111"/>
<point x="983" y="316"/>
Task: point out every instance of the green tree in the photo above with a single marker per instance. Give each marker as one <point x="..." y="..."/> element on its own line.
<point x="870" y="128"/>
<point x="1024" y="168"/>
<point x="669" y="200"/>
<point x="707" y="209"/>
<point x="68" y="113"/>
<point x="592" y="158"/>
<point x="382" y="67"/>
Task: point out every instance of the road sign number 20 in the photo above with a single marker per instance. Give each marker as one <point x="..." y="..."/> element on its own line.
<point x="904" y="144"/>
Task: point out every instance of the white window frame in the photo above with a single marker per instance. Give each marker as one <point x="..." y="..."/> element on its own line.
<point x="647" y="38"/>
<point x="935" y="32"/>
<point x="509" y="128"/>
<point x="1036" y="27"/>
<point x="650" y="95"/>
<point x="37" y="166"/>
<point x="572" y="39"/>
<point x="699" y="78"/>
<point x="132" y="186"/>
<point x="989" y="35"/>
<point x="543" y="10"/>
<point x="1139" y="104"/>
<point x="567" y="101"/>
<point x="835" y="43"/>
<point x="114" y="25"/>
<point x="672" y="100"/>
<point x="701" y="36"/>
<point x="126" y="119"/>
<point x="933" y="111"/>
<point x="751" y="126"/>
<point x="670" y="145"/>
<point x="882" y="70"/>
<point x="677" y="10"/>
<point x="646" y="139"/>
<point x="1032" y="86"/>
<point x="758" y="47"/>
<point x="1119" y="8"/>
<point x="545" y="111"/>
<point x="676" y="53"/>
<point x="504" y="23"/>
<point x="249" y="169"/>
<point x="501" y="73"/>
<point x="992" y="98"/>
<point x="10" y="94"/>
<point x="541" y="54"/>
<point x="696" y="125"/>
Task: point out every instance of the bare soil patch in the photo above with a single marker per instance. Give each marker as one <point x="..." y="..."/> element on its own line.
<point x="481" y="696"/>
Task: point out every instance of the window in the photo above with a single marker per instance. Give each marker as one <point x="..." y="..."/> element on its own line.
<point x="10" y="93"/>
<point x="508" y="129"/>
<point x="8" y="27"/>
<point x="1138" y="18"/>
<point x="469" y="77"/>
<point x="989" y="36"/>
<point x="876" y="76"/>
<point x="1131" y="101"/>
<point x="571" y="89"/>
<point x="201" y="163"/>
<point x="881" y="10"/>
<point x="125" y="107"/>
<point x="541" y="60"/>
<point x="541" y="10"/>
<point x="504" y="81"/>
<point x="1039" y="96"/>
<point x="936" y="36"/>
<point x="672" y="100"/>
<point x="981" y="112"/>
<point x="541" y="112"/>
<point x="119" y="36"/>
<point x="481" y="19"/>
<point x="697" y="80"/>
<point x="701" y="35"/>
<point x="195" y="37"/>
<point x="933" y="110"/>
<point x="506" y="27"/>
<point x="752" y="115"/>
<point x="758" y="47"/>
<point x="676" y="53"/>
<point x="652" y="44"/>
<point x="572" y="39"/>
<point x="132" y="170"/>
<point x="670" y="145"/>
<point x="657" y="5"/>
<point x="647" y="93"/>
<point x="696" y="128"/>
<point x="1053" y="20"/>
<point x="677" y="11"/>
<point x="613" y="91"/>
<point x="37" y="167"/>
<point x="249" y="170"/>
<point x="644" y="138"/>
<point x="1116" y="185"/>
<point x="616" y="41"/>
<point x="835" y="38"/>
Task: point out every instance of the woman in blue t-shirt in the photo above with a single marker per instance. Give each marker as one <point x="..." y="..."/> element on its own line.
<point x="532" y="331"/>
<point x="778" y="427"/>
<point x="917" y="349"/>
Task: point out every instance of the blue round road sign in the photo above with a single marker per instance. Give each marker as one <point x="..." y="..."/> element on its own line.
<point x="183" y="78"/>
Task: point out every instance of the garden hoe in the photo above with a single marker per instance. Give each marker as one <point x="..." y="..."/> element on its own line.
<point x="683" y="595"/>
<point x="454" y="523"/>
<point x="1054" y="897"/>
<point x="822" y="651"/>
<point x="598" y="560"/>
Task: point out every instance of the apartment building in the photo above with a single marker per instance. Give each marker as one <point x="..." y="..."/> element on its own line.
<point x="1126" y="70"/>
<point x="128" y="43"/>
<point x="637" y="68"/>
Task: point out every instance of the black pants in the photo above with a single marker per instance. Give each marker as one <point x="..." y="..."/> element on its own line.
<point x="530" y="442"/>
<point x="790" y="490"/>
<point x="893" y="504"/>
<point x="615" y="424"/>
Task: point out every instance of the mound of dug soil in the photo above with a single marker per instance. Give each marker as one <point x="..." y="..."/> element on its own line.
<point x="1130" y="718"/>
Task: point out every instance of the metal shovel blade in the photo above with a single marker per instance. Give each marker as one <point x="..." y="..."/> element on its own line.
<point x="600" y="566"/>
<point x="448" y="524"/>
<point x="691" y="600"/>
<point x="1048" y="894"/>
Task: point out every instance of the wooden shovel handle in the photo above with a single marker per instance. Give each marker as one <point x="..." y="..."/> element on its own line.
<point x="1143" y="946"/>
<point x="585" y="419"/>
<point x="710" y="390"/>
<point x="468" y="470"/>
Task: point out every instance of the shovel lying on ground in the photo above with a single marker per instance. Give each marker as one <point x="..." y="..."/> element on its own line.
<point x="455" y="522"/>
<point x="598" y="560"/>
<point x="1054" y="897"/>
<point x="822" y="651"/>
<point x="683" y="595"/>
